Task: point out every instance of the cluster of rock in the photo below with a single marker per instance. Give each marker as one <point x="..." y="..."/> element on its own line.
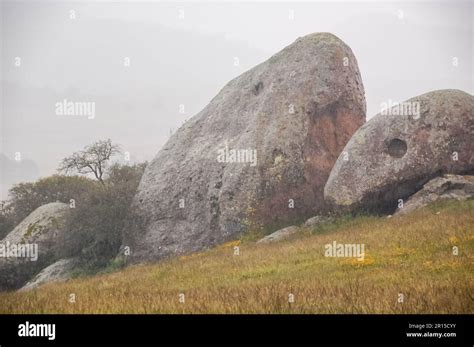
<point x="258" y="154"/>
<point x="396" y="163"/>
<point x="286" y="140"/>
<point x="296" y="111"/>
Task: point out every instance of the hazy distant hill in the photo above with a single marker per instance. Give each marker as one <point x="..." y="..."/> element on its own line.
<point x="12" y="172"/>
<point x="83" y="60"/>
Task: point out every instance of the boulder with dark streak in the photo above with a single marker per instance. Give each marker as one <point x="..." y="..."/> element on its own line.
<point x="258" y="154"/>
<point x="394" y="154"/>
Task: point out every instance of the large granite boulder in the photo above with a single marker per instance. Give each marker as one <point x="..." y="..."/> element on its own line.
<point x="32" y="245"/>
<point x="258" y="154"/>
<point x="394" y="154"/>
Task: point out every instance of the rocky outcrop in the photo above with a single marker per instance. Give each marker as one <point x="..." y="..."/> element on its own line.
<point x="280" y="234"/>
<point x="394" y="154"/>
<point x="259" y="153"/>
<point x="446" y="187"/>
<point x="56" y="272"/>
<point x="34" y="244"/>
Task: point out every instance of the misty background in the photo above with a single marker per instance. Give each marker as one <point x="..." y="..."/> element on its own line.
<point x="183" y="54"/>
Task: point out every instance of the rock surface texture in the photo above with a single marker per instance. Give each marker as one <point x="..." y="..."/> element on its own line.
<point x="267" y="140"/>
<point x="393" y="155"/>
<point x="446" y="187"/>
<point x="40" y="235"/>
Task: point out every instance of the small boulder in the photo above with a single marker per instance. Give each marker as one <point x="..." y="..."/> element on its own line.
<point x="280" y="234"/>
<point x="446" y="187"/>
<point x="396" y="152"/>
<point x="32" y="245"/>
<point x="56" y="272"/>
<point x="317" y="220"/>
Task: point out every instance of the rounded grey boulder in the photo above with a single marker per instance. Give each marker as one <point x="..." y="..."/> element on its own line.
<point x="32" y="244"/>
<point x="258" y="154"/>
<point x="57" y="272"/>
<point x="394" y="154"/>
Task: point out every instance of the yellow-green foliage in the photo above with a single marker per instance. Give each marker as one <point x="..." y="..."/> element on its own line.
<point x="32" y="229"/>
<point x="411" y="255"/>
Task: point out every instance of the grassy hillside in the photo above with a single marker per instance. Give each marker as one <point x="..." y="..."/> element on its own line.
<point x="412" y="255"/>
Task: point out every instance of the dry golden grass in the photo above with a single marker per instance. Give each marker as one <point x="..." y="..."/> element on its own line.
<point x="410" y="255"/>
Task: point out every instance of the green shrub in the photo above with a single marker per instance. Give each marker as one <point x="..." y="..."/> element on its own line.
<point x="96" y="224"/>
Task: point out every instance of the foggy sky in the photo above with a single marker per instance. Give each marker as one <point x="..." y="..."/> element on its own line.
<point x="403" y="50"/>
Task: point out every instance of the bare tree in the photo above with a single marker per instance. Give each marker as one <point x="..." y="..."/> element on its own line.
<point x="93" y="159"/>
